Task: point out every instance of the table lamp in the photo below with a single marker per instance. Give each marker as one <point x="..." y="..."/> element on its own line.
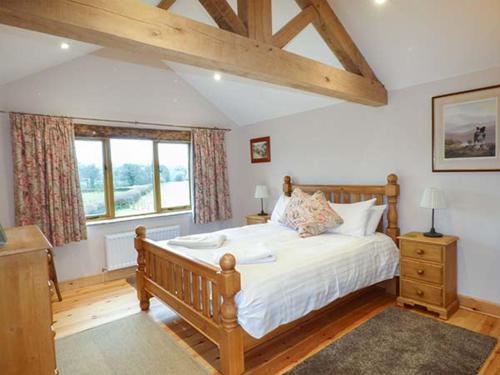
<point x="261" y="193"/>
<point x="433" y="198"/>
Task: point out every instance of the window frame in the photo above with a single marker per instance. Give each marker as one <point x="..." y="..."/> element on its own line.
<point x="157" y="180"/>
<point x="109" y="183"/>
<point x="107" y="214"/>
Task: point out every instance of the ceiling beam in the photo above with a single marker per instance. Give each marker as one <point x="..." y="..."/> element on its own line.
<point x="294" y="27"/>
<point x="257" y="16"/>
<point x="224" y="16"/>
<point x="138" y="27"/>
<point x="166" y="4"/>
<point x="336" y="37"/>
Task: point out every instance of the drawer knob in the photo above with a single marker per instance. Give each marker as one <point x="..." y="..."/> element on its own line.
<point x="420" y="252"/>
<point x="420" y="272"/>
<point x="420" y="293"/>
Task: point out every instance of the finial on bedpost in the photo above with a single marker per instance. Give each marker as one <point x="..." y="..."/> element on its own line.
<point x="140" y="231"/>
<point x="392" y="193"/>
<point x="229" y="287"/>
<point x="231" y="348"/>
<point x="142" y="294"/>
<point x="227" y="262"/>
<point x="287" y="186"/>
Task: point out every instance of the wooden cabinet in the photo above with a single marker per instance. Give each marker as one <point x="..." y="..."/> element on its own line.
<point x="25" y="311"/>
<point x="257" y="219"/>
<point x="429" y="273"/>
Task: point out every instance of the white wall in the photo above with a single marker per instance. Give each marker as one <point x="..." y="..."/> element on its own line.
<point x="108" y="84"/>
<point x="6" y="185"/>
<point x="348" y="143"/>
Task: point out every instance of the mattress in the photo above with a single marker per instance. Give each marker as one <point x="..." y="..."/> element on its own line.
<point x="308" y="273"/>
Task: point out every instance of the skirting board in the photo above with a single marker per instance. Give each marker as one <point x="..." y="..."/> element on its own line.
<point x="481" y="306"/>
<point x="97" y="279"/>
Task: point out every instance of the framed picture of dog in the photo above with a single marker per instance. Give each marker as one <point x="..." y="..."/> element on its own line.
<point x="260" y="150"/>
<point x="465" y="131"/>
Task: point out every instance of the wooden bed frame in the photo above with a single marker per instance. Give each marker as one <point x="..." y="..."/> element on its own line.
<point x="204" y="295"/>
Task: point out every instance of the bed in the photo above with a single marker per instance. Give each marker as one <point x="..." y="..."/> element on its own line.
<point x="238" y="307"/>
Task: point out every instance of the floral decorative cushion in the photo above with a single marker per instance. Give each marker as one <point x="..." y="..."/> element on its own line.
<point x="311" y="215"/>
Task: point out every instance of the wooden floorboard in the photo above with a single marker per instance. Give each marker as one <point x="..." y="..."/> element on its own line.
<point x="95" y="305"/>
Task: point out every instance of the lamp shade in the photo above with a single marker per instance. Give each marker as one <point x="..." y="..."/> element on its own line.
<point x="261" y="191"/>
<point x="433" y="198"/>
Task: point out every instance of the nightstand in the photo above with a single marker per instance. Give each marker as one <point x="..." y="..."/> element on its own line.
<point x="429" y="273"/>
<point x="257" y="219"/>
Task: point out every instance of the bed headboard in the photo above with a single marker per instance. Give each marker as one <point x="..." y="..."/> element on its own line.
<point x="387" y="193"/>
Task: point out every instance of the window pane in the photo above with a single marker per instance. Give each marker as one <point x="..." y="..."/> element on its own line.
<point x="174" y="174"/>
<point x="90" y="168"/>
<point x="132" y="162"/>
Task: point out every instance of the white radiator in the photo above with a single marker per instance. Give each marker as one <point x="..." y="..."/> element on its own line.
<point x="120" y="251"/>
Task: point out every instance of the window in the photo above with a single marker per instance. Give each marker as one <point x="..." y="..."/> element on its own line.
<point x="130" y="177"/>
<point x="133" y="187"/>
<point x="173" y="159"/>
<point x="90" y="156"/>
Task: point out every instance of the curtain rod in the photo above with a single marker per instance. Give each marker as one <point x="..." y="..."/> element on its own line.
<point x="122" y="121"/>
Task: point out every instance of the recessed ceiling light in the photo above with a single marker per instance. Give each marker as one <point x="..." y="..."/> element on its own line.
<point x="217" y="76"/>
<point x="380" y="2"/>
<point x="64" y="45"/>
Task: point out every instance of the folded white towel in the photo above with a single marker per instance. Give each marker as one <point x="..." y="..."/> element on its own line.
<point x="255" y="254"/>
<point x="199" y="241"/>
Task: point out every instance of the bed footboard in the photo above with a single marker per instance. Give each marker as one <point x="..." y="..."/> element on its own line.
<point x="200" y="293"/>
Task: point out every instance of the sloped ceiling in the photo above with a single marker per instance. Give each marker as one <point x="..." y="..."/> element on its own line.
<point x="24" y="52"/>
<point x="406" y="43"/>
<point x="247" y="101"/>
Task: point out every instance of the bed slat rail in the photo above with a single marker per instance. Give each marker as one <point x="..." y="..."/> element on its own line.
<point x="183" y="280"/>
<point x="200" y="293"/>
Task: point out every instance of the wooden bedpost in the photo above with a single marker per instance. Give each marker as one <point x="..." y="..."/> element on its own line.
<point x="287" y="186"/>
<point x="142" y="294"/>
<point x="232" y="359"/>
<point x="392" y="193"/>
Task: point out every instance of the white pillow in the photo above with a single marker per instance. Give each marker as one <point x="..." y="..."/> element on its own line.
<point x="279" y="209"/>
<point x="374" y="215"/>
<point x="355" y="216"/>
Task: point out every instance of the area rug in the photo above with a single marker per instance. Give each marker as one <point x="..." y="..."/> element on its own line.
<point x="401" y="342"/>
<point x="135" y="345"/>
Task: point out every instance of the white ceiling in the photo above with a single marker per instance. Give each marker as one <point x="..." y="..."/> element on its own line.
<point x="406" y="42"/>
<point x="409" y="42"/>
<point x="24" y="52"/>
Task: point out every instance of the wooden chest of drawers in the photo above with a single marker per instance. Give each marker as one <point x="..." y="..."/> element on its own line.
<point x="26" y="335"/>
<point x="429" y="273"/>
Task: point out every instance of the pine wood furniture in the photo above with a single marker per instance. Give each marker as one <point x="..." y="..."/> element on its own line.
<point x="257" y="219"/>
<point x="204" y="295"/>
<point x="429" y="273"/>
<point x="26" y="335"/>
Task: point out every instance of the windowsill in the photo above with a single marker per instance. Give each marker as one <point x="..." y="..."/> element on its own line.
<point x="137" y="218"/>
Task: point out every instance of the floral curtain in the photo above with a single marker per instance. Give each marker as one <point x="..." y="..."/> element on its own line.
<point x="46" y="183"/>
<point x="211" y="188"/>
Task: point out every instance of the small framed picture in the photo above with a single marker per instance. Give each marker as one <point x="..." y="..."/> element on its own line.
<point x="260" y="150"/>
<point x="465" y="132"/>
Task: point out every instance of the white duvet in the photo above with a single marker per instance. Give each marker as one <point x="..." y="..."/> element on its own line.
<point x="308" y="273"/>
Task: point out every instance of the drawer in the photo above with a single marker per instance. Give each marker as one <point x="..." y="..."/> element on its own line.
<point x="422" y="271"/>
<point x="421" y="292"/>
<point x="422" y="251"/>
<point x="251" y="221"/>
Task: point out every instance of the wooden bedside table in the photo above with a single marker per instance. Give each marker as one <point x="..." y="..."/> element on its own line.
<point x="429" y="273"/>
<point x="257" y="219"/>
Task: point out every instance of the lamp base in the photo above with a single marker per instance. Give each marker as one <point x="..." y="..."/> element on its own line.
<point x="262" y="213"/>
<point x="433" y="233"/>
